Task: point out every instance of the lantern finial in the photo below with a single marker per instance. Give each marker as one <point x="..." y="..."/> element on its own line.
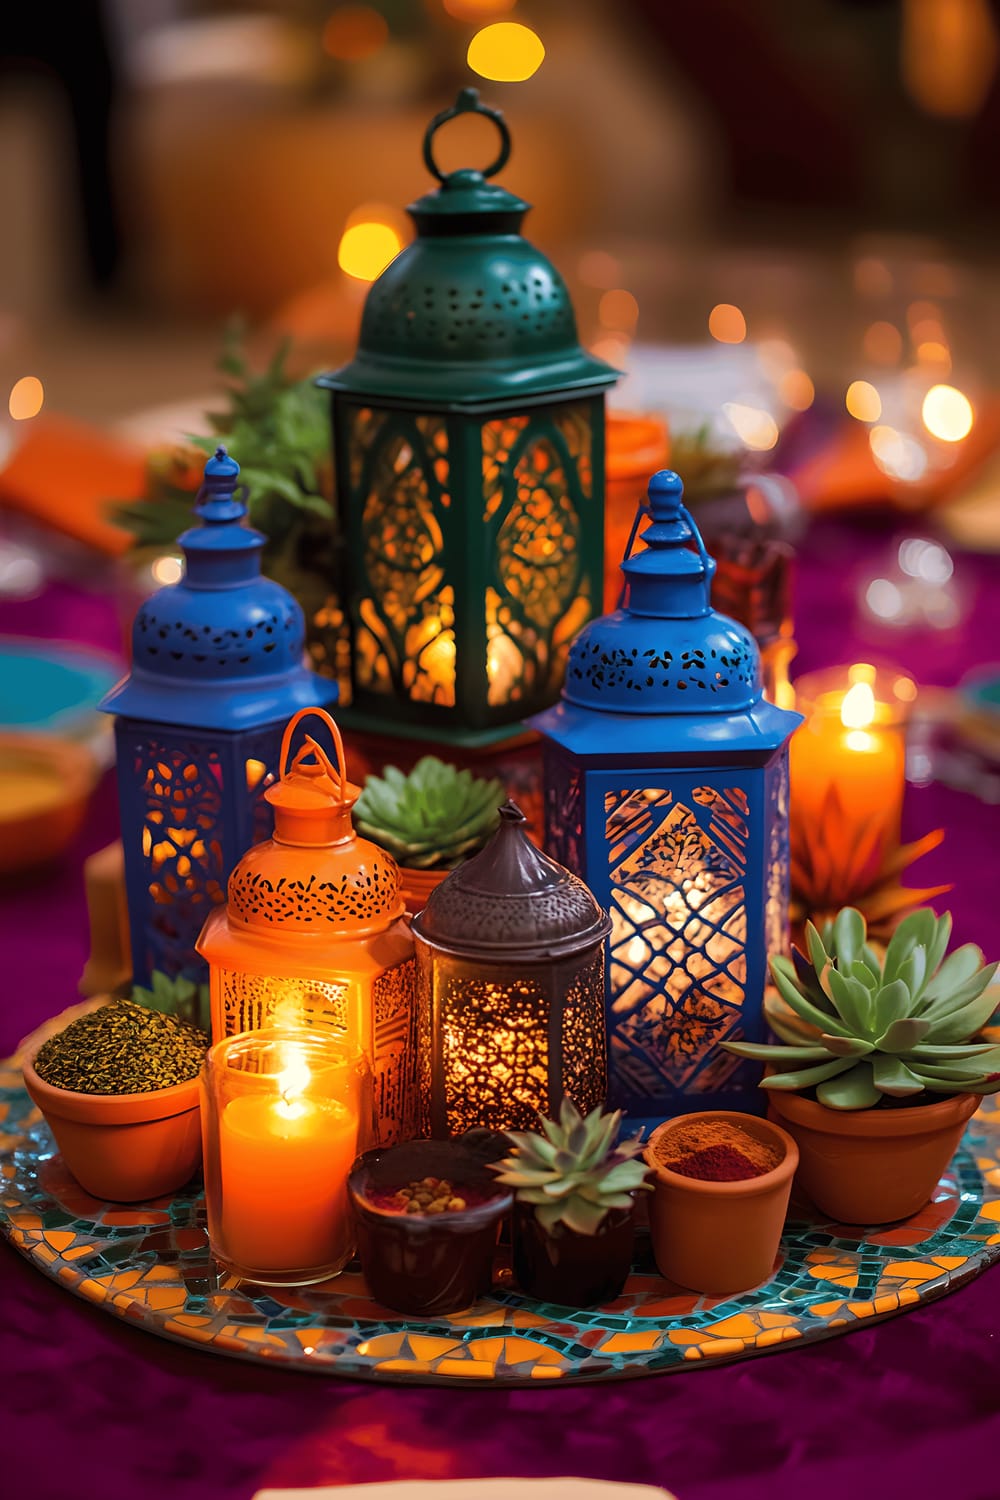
<point x="313" y="798"/>
<point x="667" y="579"/>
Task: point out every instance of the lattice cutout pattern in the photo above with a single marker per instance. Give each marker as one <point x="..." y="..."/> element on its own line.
<point x="537" y="484"/>
<point x="494" y="1030"/>
<point x="405" y="641"/>
<point x="181" y="842"/>
<point x="249" y="1002"/>
<point x="564" y="812"/>
<point x="362" y="896"/>
<point x="678" y="941"/>
<point x="395" y="1046"/>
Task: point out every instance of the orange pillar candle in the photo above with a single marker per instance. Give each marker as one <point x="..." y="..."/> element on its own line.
<point x="284" y="1120"/>
<point x="852" y="740"/>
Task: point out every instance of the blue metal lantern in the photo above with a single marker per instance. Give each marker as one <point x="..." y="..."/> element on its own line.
<point x="666" y="789"/>
<point x="216" y="672"/>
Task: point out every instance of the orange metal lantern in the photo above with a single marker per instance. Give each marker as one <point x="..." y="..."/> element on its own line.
<point x="313" y="931"/>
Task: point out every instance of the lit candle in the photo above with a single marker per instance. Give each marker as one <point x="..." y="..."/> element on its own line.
<point x="853" y="742"/>
<point x="276" y="1180"/>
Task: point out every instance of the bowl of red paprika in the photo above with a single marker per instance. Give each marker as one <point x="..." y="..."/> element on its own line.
<point x="721" y="1184"/>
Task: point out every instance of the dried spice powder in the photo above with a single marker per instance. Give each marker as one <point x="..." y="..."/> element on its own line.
<point x="122" y="1048"/>
<point x="714" y="1151"/>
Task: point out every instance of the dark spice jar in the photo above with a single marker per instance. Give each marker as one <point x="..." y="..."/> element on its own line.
<point x="435" y="1259"/>
<point x="571" y="1269"/>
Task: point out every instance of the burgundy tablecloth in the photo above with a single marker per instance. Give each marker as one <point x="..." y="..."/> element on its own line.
<point x="910" y="1408"/>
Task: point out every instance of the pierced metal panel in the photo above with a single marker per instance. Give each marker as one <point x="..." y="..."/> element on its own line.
<point x="249" y="1002"/>
<point x="678" y="874"/>
<point x="395" y="1048"/>
<point x="405" y="635"/>
<point x="564" y="811"/>
<point x="623" y="675"/>
<point x="487" y="1034"/>
<point x="178" y="872"/>
<point x="537" y="488"/>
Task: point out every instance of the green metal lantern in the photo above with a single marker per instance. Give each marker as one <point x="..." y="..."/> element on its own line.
<point x="469" y="453"/>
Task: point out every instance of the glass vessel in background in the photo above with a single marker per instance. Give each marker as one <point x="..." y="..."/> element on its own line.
<point x="285" y="1112"/>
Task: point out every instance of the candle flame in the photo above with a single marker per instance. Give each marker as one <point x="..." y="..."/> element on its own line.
<point x="858" y="708"/>
<point x="293" y="1080"/>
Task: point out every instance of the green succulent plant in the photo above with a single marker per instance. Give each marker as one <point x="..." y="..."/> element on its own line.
<point x="175" y="997"/>
<point x="432" y="818"/>
<point x="575" y="1171"/>
<point x="884" y="1030"/>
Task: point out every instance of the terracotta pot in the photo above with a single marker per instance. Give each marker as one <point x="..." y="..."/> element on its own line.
<point x="636" y="446"/>
<point x="123" y="1148"/>
<point x="416" y="885"/>
<point x="720" y="1237"/>
<point x="571" y="1269"/>
<point x="872" y="1166"/>
<point x="426" y="1264"/>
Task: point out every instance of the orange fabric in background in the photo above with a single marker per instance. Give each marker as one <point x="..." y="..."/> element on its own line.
<point x="64" y="474"/>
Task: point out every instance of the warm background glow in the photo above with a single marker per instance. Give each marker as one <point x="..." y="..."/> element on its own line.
<point x="354" y="32"/>
<point x="863" y="401"/>
<point x="366" y="248"/>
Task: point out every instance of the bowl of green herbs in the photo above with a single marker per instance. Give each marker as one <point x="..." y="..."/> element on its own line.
<point x="119" y="1089"/>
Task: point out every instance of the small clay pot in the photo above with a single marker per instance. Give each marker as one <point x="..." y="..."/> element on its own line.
<point x="427" y="1264"/>
<point x="123" y="1148"/>
<point x="415" y="887"/>
<point x="568" y="1268"/>
<point x="872" y="1166"/>
<point x="720" y="1237"/>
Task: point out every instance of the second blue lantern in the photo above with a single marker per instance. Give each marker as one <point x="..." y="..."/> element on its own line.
<point x="666" y="777"/>
<point x="217" y="670"/>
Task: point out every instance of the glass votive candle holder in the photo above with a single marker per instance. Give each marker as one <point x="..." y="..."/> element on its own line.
<point x="853" y="740"/>
<point x="285" y="1112"/>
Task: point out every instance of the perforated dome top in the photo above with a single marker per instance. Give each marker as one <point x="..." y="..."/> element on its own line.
<point x="469" y="311"/>
<point x="222" y="648"/>
<point x="511" y="902"/>
<point x="666" y="652"/>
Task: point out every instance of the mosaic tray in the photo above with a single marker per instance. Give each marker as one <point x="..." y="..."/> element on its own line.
<point x="150" y="1266"/>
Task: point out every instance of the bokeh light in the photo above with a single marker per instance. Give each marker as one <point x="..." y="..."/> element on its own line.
<point x="883" y="343"/>
<point x="897" y="454"/>
<point x="598" y="268"/>
<point x="797" y="390"/>
<point x="753" y="426"/>
<point x="947" y="413"/>
<point x="354" y="32"/>
<point x="26" y="398"/>
<point x="367" y="247"/>
<point x="167" y="569"/>
<point x="727" y="323"/>
<point x="618" y="309"/>
<point x="932" y="352"/>
<point x="506" y="52"/>
<point x="863" y="401"/>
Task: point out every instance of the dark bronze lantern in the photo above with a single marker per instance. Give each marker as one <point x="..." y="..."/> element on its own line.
<point x="510" y="984"/>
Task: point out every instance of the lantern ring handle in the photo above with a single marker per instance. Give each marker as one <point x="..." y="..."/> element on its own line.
<point x="467" y="103"/>
<point x="311" y="746"/>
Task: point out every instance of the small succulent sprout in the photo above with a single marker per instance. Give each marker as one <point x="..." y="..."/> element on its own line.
<point x="432" y="818"/>
<point x="575" y="1171"/>
<point x="175" y="997"/>
<point x="883" y="1029"/>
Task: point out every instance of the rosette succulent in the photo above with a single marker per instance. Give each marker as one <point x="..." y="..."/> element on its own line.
<point x="575" y="1171"/>
<point x="885" y="1029"/>
<point x="432" y="818"/>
